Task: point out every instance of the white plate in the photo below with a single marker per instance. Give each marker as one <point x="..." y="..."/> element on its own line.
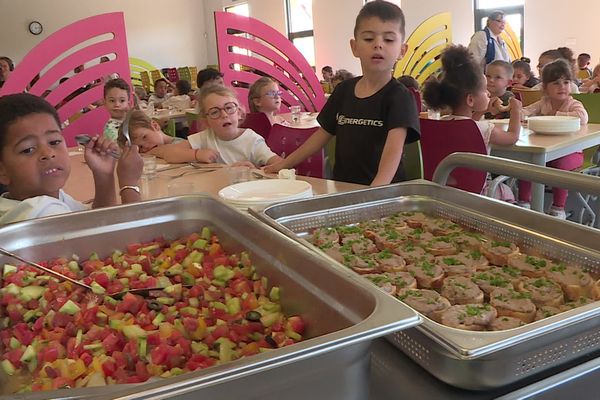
<point x="265" y="191"/>
<point x="554" y="124"/>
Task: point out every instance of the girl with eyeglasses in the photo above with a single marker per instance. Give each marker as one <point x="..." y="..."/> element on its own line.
<point x="232" y="145"/>
<point x="264" y="96"/>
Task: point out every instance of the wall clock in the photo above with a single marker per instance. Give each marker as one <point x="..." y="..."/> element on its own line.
<point x="35" y="27"/>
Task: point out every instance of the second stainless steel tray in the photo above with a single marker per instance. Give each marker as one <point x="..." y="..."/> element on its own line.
<point x="473" y="360"/>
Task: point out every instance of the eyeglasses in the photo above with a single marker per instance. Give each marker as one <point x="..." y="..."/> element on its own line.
<point x="215" y="112"/>
<point x="500" y="21"/>
<point x="274" y="93"/>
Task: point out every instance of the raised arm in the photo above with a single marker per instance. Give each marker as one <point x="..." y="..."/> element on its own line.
<point x="100" y="161"/>
<point x="390" y="157"/>
<point x="498" y="136"/>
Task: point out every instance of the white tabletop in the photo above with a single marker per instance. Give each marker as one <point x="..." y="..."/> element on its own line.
<point x="540" y="148"/>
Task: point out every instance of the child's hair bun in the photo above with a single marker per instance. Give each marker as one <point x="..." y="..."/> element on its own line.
<point x="456" y="57"/>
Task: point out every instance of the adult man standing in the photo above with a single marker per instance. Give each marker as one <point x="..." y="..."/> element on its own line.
<point x="487" y="45"/>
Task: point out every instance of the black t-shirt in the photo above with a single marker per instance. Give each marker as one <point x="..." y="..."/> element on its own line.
<point x="361" y="126"/>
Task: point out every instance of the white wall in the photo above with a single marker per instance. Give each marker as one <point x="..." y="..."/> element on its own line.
<point x="333" y="29"/>
<point x="166" y="34"/>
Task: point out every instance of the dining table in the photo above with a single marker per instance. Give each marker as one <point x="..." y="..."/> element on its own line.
<point x="306" y="120"/>
<point x="180" y="179"/>
<point x="537" y="148"/>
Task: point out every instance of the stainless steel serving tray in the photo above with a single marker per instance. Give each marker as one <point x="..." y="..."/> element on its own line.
<point x="472" y="360"/>
<point x="343" y="313"/>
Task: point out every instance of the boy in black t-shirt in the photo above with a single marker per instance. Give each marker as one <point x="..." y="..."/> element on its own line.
<point x="373" y="115"/>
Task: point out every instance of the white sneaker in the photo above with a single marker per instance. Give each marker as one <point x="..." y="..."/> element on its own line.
<point x="524" y="204"/>
<point x="557" y="212"/>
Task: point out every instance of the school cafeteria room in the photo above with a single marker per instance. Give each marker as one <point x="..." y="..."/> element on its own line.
<point x="326" y="199"/>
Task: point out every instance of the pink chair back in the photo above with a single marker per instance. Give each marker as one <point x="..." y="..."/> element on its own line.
<point x="442" y="138"/>
<point x="51" y="52"/>
<point x="283" y="140"/>
<point x="258" y="122"/>
<point x="265" y="52"/>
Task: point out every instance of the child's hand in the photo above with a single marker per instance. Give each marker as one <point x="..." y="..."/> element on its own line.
<point x="494" y="106"/>
<point x="243" y="164"/>
<point x="130" y="166"/>
<point x="207" y="155"/>
<point x="515" y="106"/>
<point x="275" y="167"/>
<point x="97" y="155"/>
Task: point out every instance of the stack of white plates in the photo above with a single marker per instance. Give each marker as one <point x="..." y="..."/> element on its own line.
<point x="261" y="193"/>
<point x="554" y="124"/>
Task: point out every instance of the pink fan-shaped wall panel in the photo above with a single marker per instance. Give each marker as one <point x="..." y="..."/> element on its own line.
<point x="100" y="35"/>
<point x="263" y="51"/>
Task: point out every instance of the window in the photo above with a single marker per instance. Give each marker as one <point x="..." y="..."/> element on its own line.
<point x="513" y="9"/>
<point x="240" y="9"/>
<point x="300" y="27"/>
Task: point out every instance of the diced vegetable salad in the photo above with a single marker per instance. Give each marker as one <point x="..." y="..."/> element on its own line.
<point x="212" y="308"/>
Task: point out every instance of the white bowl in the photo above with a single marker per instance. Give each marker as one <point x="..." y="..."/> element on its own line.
<point x="264" y="192"/>
<point x="554" y="124"/>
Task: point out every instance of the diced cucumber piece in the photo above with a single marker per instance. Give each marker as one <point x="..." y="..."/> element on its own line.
<point x="269" y="319"/>
<point x="29" y="354"/>
<point x="110" y="271"/>
<point x="134" y="332"/>
<point x="69" y="308"/>
<point x="200" y="348"/>
<point x="187" y="278"/>
<point x="200" y="244"/>
<point x="274" y="293"/>
<point x="163" y="282"/>
<point x="78" y="338"/>
<point x="137" y="268"/>
<point x="93" y="346"/>
<point x="8" y="368"/>
<point x="194" y="302"/>
<point x="13" y="289"/>
<point x="94" y="256"/>
<point x="31" y="315"/>
<point x="174" y="289"/>
<point x="73" y="266"/>
<point x="14" y="343"/>
<point x="234" y="305"/>
<point x="116" y="324"/>
<point x="206" y="233"/>
<point x="166" y="300"/>
<point x="8" y="269"/>
<point x="222" y="273"/>
<point x="33" y="292"/>
<point x="148" y="248"/>
<point x="160" y="318"/>
<point x="97" y="288"/>
<point x="189" y="311"/>
<point x="176" y="269"/>
<point x="142" y="347"/>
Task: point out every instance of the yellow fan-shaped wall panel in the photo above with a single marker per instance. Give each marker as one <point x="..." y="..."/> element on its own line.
<point x="425" y="45"/>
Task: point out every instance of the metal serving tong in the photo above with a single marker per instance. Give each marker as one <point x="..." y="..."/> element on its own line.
<point x="144" y="292"/>
<point x="85" y="139"/>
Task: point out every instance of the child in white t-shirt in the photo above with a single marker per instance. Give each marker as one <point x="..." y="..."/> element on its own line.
<point x="223" y="141"/>
<point x="35" y="163"/>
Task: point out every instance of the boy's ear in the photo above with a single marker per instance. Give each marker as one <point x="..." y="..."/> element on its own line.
<point x="403" y="51"/>
<point x="155" y="125"/>
<point x="353" y="47"/>
<point x="4" y="178"/>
